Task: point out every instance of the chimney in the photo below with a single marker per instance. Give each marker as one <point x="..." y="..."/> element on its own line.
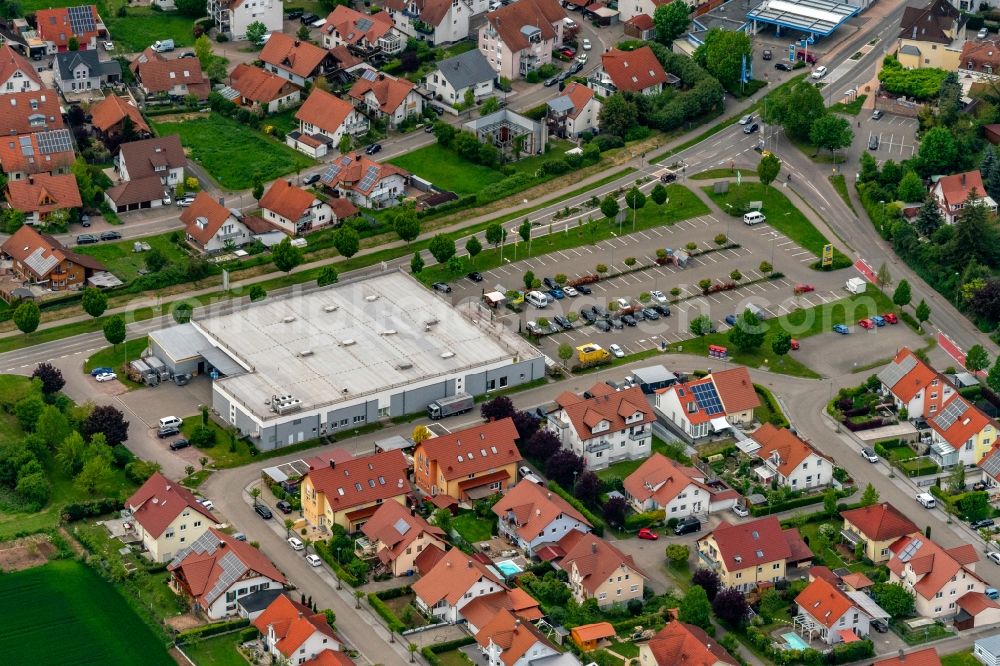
<point x="902" y="657"/>
<point x="593" y="547"/>
<point x="222" y="201"/>
<point x="222" y="544"/>
<point x="517" y="623"/>
<point x="297" y="43"/>
<point x="333" y="464"/>
<point x="469" y="564"/>
<point x="963" y="180"/>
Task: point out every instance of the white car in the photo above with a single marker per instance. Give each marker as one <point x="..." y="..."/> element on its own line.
<point x="571" y="292"/>
<point x="995" y="556"/>
<point x="109" y="46"/>
<point x="740" y="511"/>
<point x="106" y="377"/>
<point x="869" y="455"/>
<point x="623" y="303"/>
<point x="658" y="296"/>
<point x="747" y="119"/>
<point x="582" y="58"/>
<point x="207" y="503"/>
<point x="983" y="33"/>
<point x="617" y="351"/>
<point x="296" y="544"/>
<point x="586" y="45"/>
<point x="185" y="202"/>
<point x="313" y="560"/>
<point x="819" y="72"/>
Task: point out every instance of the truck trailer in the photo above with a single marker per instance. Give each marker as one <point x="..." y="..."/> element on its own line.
<point x="453" y="404"/>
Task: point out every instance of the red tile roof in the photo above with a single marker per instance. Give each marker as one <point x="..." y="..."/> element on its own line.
<point x="641" y="22"/>
<point x="964" y="554"/>
<point x="595" y="560"/>
<point x="508" y="21"/>
<point x="26" y="112"/>
<point x="388" y="91"/>
<point x="633" y="71"/>
<point x="54" y="26"/>
<point x="111" y="111"/>
<point x="586" y="633"/>
<point x="975" y="603"/>
<point x="40" y="254"/>
<point x="734" y="387"/>
<point x="880" y="522"/>
<point x="12" y="62"/>
<point x="429" y="11"/>
<point x="162" y="75"/>
<point x="452" y="577"/>
<point x="580" y="95"/>
<point x="514" y="638"/>
<point x="858" y="581"/>
<point x="24" y="153"/>
<point x="329" y="658"/>
<point x="287" y="200"/>
<point x="203" y="218"/>
<point x="344" y="59"/>
<point x="293" y="55"/>
<point x="363" y="480"/>
<point x="957" y="188"/>
<point x="324" y="110"/>
<point x="396" y="527"/>
<point x="662" y="479"/>
<point x="750" y="544"/>
<point x="970" y="422"/>
<point x="345" y="21"/>
<point x="613" y="407"/>
<point x="428" y="559"/>
<point x="925" y="657"/>
<point x="256" y="85"/>
<point x="293" y="624"/>
<point x="913" y="382"/>
<point x="931" y="564"/>
<point x="824" y="602"/>
<point x="44" y="193"/>
<point x="782" y="448"/>
<point x="980" y="56"/>
<point x="343" y="208"/>
<point x="159" y="501"/>
<point x="480" y="448"/>
<point x="479" y="611"/>
<point x="534" y="508"/>
<point x="819" y="571"/>
<point x="354" y="168"/>
<point x="680" y="644"/>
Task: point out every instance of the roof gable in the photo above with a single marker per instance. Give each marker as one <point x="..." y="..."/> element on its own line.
<point x="521" y="22"/>
<point x="287" y="200"/>
<point x="680" y="644"/>
<point x="452" y="577"/>
<point x="477" y="449"/>
<point x="159" y="501"/>
<point x="824" y="602"/>
<point x="880" y="522"/>
<point x="363" y="480"/>
<point x="533" y="508"/>
<point x="288" y="53"/>
<point x="782" y="448"/>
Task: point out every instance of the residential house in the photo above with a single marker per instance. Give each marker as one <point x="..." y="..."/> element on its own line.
<point x="108" y="118"/>
<point x="349" y="493"/>
<point x="365" y="34"/>
<point x="598" y="570"/>
<point x="364" y="181"/>
<point x="924" y="657"/>
<point x="329" y="658"/>
<point x="990" y="464"/>
<point x="481" y="610"/>
<point x="976" y="609"/>
<point x="40" y="152"/>
<point x="218" y="569"/>
<point x="211" y="227"/>
<point x="877" y="526"/>
<point x="456" y="77"/>
<point x="472" y="463"/>
<point x="635" y="71"/>
<point x="16" y="73"/>
<point x="830" y="615"/>
<point x="519" y="38"/>
<point x="961" y="434"/>
<point x="41" y="194"/>
<point x="323" y="120"/>
<point x="954" y="192"/>
<point x="681" y="643"/>
<point x="176" y="78"/>
<point x="59" y="25"/>
<point x="437" y="21"/>
<point x="39" y="259"/>
<point x="27" y="112"/>
<point x="507" y="641"/>
<point x="574" y="112"/>
<point x="629" y="9"/>
<point x="931" y="36"/>
<point x="294" y="210"/>
<point x="167" y="516"/>
<point x="295" y="60"/>
<point x="232" y="17"/>
<point x="292" y="633"/>
<point x="252" y="605"/>
<point x="603" y="429"/>
<point x="148" y="171"/>
<point x="986" y="650"/>
<point x="386" y="97"/>
<point x="660" y="484"/>
<point x="641" y="26"/>
<point x="261" y="91"/>
<point x="453" y="583"/>
<point x="938" y="577"/>
<point x="753" y="552"/>
<point x="790" y="461"/>
<point x="981" y="56"/>
<point x="714" y="403"/>
<point x="397" y="535"/>
<point x="914" y="386"/>
<point x="81" y="71"/>
<point x="533" y="517"/>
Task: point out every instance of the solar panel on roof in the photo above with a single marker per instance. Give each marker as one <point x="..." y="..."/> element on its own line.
<point x="369" y="75"/>
<point x="54" y="141"/>
<point x="81" y="20"/>
<point x="951" y="413"/>
<point x="892" y="373"/>
<point x="26" y="147"/>
<point x="402" y="526"/>
<point x="910" y="550"/>
<point x="708" y="398"/>
<point x="369" y="178"/>
<point x="364" y="24"/>
<point x="331" y="172"/>
<point x="991" y="465"/>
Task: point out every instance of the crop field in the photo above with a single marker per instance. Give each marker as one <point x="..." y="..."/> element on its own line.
<point x="64" y="613"/>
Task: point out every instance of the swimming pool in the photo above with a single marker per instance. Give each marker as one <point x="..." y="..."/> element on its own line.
<point x="795" y="641"/>
<point x="508" y="567"/>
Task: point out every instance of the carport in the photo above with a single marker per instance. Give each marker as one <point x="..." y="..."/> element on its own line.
<point x="818" y="18"/>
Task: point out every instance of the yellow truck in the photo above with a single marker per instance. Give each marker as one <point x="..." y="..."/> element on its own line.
<point x="591" y="353"/>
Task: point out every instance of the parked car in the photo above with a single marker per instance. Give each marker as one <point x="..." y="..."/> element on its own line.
<point x="668" y="178"/>
<point x="980" y="524"/>
<point x="294" y="14"/>
<point x="263" y="511"/>
<point x="731" y="319"/>
<point x="442" y="287"/>
<point x="751" y="128"/>
<point x="562" y="322"/>
<point x="106" y="377"/>
<point x="766" y="54"/>
<point x="568" y="51"/>
<point x="979" y="485"/>
<point x="429" y="128"/>
<point x="314" y="177"/>
<point x="869" y="454"/>
<point x="616" y="324"/>
<point x="586" y="44"/>
<point x="688" y="525"/>
<point x="819" y="72"/>
<point x="86" y="239"/>
<point x="650" y="314"/>
<point x="648" y="534"/>
<point x="168" y="431"/>
<point x="879" y="625"/>
<point x="295" y="543"/>
<point x="549" y="283"/>
<point x="588" y="315"/>
<point x="571" y="292"/>
<point x="475" y="276"/>
<point x="307" y="19"/>
<point x="747" y="119"/>
<point x="602" y="325"/>
<point x="840" y="328"/>
<point x="877" y="114"/>
<point x="179" y="444"/>
<point x="110" y="235"/>
<point x="374" y="148"/>
<point x="995" y="556"/>
<point x="551" y="82"/>
<point x="283" y="506"/>
<point x="85" y="221"/>
<point x="783" y="66"/>
<point x="890" y="318"/>
<point x="992" y="593"/>
<point x="662" y="309"/>
<point x="873" y="142"/>
<point x="585" y="290"/>
<point x="600" y="311"/>
<point x="557" y="293"/>
<point x="207" y="503"/>
<point x="101" y="371"/>
<point x="313" y="559"/>
<point x="983" y="33"/>
<point x="617" y="351"/>
<point x="629" y="320"/>
<point x="109" y="46"/>
<point x="740" y="511"/>
<point x="658" y="296"/>
<point x="866" y="323"/>
<point x="804" y="288"/>
<point x="185" y="201"/>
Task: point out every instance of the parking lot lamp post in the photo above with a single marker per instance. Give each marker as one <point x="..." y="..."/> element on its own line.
<point x="881" y="223"/>
<point x="613" y="249"/>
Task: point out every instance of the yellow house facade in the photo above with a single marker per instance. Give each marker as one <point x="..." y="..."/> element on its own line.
<point x="469" y="464"/>
<point x="348" y="493"/>
<point x="931" y="36"/>
<point x="745" y="578"/>
<point x="758" y="551"/>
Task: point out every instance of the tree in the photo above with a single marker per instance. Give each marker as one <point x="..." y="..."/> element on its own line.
<point x="977" y="359"/>
<point x="869" y="169"/>
<point x="831" y="132"/>
<point x="735" y="275"/>
<point x="327" y="276"/>
<point x="155" y="260"/>
<point x="50" y="376"/>
<point x="442" y="248"/>
<point x="701" y="325"/>
<point x="993" y="378"/>
<point x="659" y="193"/>
<point x="565" y="352"/>
<point x="416" y="263"/>
<point x="286" y="256"/>
<point x="52" y="426"/>
<point x="500" y="407"/>
<point x="541" y="445"/>
<point x="922" y="312"/>
<point x="524" y="231"/>
<point x="495" y="234"/>
<point x="473" y="247"/>
<point x="678" y="554"/>
<point x="489" y="105"/>
<point x="765" y="267"/>
<point x="442" y="518"/>
<point x="902" y="296"/>
<point x="563" y="467"/>
<point x="203" y="49"/>
<point x="108" y="421"/>
<point x="731" y="607"/>
<point x="781" y="344"/>
<point x="976" y="236"/>
<point x="609" y="207"/>
<point x="614" y="511"/>
<point x="420" y="434"/>
<point x="748" y="333"/>
<point x="256" y="293"/>
<point x="192" y="8"/>
<point x="671" y="20"/>
<point x="929" y="217"/>
<point x="26" y="317"/>
<point x="303" y="33"/>
<point x="707" y="580"/>
<point x="883" y="278"/>
<point x="767" y="169"/>
<point x="695" y="608"/>
<point x="635" y="199"/>
<point x="255" y="34"/>
<point x="796" y="108"/>
<point x="95" y="476"/>
<point x="830" y="502"/>
<point x="588" y="488"/>
<point x="894" y="599"/>
<point x="73" y="44"/>
<point x="527" y="424"/>
<point x="723" y="53"/>
<point x="94" y="301"/>
<point x="910" y="187"/>
<point x="344" y="146"/>
<point x="71" y="453"/>
<point x="617" y="115"/>
<point x="938" y="152"/>
<point x="256" y="187"/>
<point x="870" y="496"/>
<point x="347" y="241"/>
<point x="405" y="224"/>
<point x="114" y="330"/>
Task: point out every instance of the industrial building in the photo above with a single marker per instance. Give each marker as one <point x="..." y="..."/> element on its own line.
<point x="291" y="369"/>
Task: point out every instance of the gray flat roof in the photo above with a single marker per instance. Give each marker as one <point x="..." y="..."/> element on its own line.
<point x="820" y="17"/>
<point x="654" y="374"/>
<point x="353" y="339"/>
<point x="180" y="342"/>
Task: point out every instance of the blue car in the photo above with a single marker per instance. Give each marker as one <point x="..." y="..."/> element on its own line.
<point x="557" y="293"/>
<point x="879" y="320"/>
<point x="731" y="319"/>
<point x="840" y="328"/>
<point x="100" y="371"/>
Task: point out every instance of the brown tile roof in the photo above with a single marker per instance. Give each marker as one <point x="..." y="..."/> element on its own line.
<point x="142" y="157"/>
<point x="452" y="577"/>
<point x="111" y="111"/>
<point x="428" y="559"/>
<point x="915" y="380"/>
<point x="40" y="253"/>
<point x="479" y="611"/>
<point x="159" y="501"/>
<point x="880" y="522"/>
<point x="514" y="638"/>
<point x="288" y="53"/>
<point x="258" y="225"/>
<point x="324" y="110"/>
<point x="819" y="571"/>
<point x="858" y="581"/>
<point x="44" y="193"/>
<point x="978" y="55"/>
<point x="680" y="644"/>
<point x="481" y="448"/>
<point x="161" y="75"/>
<point x="139" y="190"/>
<point x="363" y="480"/>
<point x="149" y="55"/>
<point x="329" y="658"/>
<point x="734" y="387"/>
<point x="824" y="602"/>
<point x="293" y="624"/>
<point x="975" y="603"/>
<point x="580" y="95"/>
<point x="925" y="657"/>
<point x="287" y="200"/>
<point x="256" y="85"/>
<point x="593" y="632"/>
<point x="641" y="22"/>
<point x="430" y="11"/>
<point x="204" y="217"/>
<point x="26" y="154"/>
<point x="534" y="508"/>
<point x="12" y="62"/>
<point x="509" y="20"/>
<point x="344" y="59"/>
<point x="930" y="23"/>
<point x="662" y="479"/>
<point x="969" y="422"/>
<point x="54" y="26"/>
<point x="933" y="566"/>
<point x="342" y="208"/>
<point x="596" y="560"/>
<point x="799" y="549"/>
<point x="750" y="544"/>
<point x="26" y="112"/>
<point x="957" y="188"/>
<point x="782" y="447"/>
<point x="964" y="554"/>
<point x="633" y="70"/>
<point x="354" y="169"/>
<point x="613" y="407"/>
<point x="396" y="528"/>
<point x="344" y="21"/>
<point x="389" y="91"/>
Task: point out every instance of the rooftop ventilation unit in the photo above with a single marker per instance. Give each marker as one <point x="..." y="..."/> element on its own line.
<point x="372" y="298"/>
<point x="430" y="322"/>
<point x="289" y="319"/>
<point x="347" y="343"/>
<point x="447" y="354"/>
<point x="388" y="331"/>
<point x="290" y="406"/>
<point x="331" y="308"/>
<point x="306" y="352"/>
<point x="404" y="365"/>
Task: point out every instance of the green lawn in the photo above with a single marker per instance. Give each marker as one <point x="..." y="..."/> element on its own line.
<point x="124" y="262"/>
<point x="840" y="184"/>
<point x="781" y="214"/>
<point x="622" y="469"/>
<point x="963" y="658"/>
<point x="851" y="108"/>
<point x="556" y="148"/>
<point x="451" y="658"/>
<point x="447" y="170"/>
<point x="64" y="613"/>
<point x="472" y="528"/>
<point x="215" y="651"/>
<point x="233" y="153"/>
<point x="284" y="120"/>
<point x="142" y="26"/>
<point x="221" y="451"/>
<point x="712" y="174"/>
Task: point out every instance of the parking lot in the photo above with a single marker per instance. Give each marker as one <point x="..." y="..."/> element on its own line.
<point x="896" y="137"/>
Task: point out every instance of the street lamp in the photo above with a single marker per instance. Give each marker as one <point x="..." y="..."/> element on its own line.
<point x="613" y="249"/>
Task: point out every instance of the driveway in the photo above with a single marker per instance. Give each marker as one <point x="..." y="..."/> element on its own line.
<point x="150" y="404"/>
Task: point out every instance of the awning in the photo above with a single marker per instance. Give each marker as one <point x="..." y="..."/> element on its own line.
<point x="444" y="501"/>
<point x="764" y="472"/>
<point x="472" y="487"/>
<point x="361" y="514"/>
<point x="219" y="360"/>
<point x="748" y="446"/>
<point x="851" y="537"/>
<point x="848" y="635"/>
<point x="867" y="604"/>
<point x="720" y="423"/>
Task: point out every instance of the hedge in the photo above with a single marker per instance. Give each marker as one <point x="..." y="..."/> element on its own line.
<point x="431" y="652"/>
<point x="790" y="504"/>
<point x="89" y="508"/>
<point x="635" y="521"/>
<point x="595" y="522"/>
<point x="772" y="405"/>
<point x="395" y="624"/>
<point x="394" y="593"/>
<point x="324" y="552"/>
<point x="212" y="629"/>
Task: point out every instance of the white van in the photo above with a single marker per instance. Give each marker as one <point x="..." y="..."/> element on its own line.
<point x="537" y="298"/>
<point x="170" y="422"/>
<point x="753" y="217"/>
<point x="927" y="500"/>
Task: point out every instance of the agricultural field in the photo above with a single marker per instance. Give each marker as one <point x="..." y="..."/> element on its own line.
<point x="64" y="613"/>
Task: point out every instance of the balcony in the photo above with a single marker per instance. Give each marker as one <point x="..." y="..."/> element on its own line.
<point x="595" y="447"/>
<point x="365" y="549"/>
<point x="640" y="435"/>
<point x="708" y="561"/>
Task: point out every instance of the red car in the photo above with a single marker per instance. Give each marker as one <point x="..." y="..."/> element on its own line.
<point x="568" y="51"/>
<point x="890" y="318"/>
<point x="795" y="344"/>
<point x="648" y="534"/>
<point x="804" y="288"/>
<point x="866" y="323"/>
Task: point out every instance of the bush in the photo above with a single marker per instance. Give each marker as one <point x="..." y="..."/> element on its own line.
<point x="637" y="521"/>
<point x="211" y="629"/>
<point x="97" y="507"/>
<point x="785" y="506"/>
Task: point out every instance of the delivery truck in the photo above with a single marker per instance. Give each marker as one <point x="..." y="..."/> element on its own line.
<point x="856" y="285"/>
<point x="591" y="353"/>
<point x="453" y="404"/>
